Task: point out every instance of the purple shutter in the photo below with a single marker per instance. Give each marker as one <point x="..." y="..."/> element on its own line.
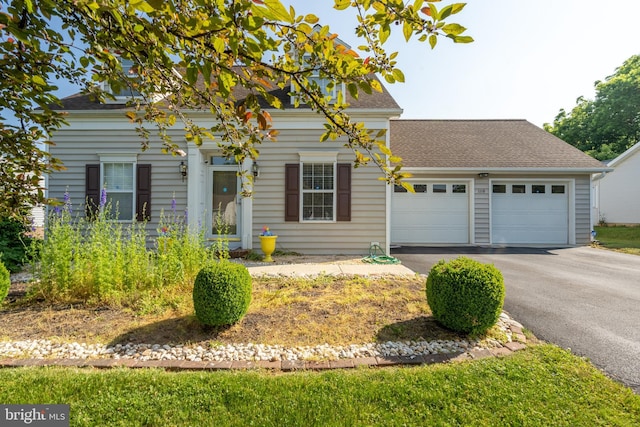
<point x="292" y="192"/>
<point x="143" y="192"/>
<point x="344" y="192"/>
<point x="92" y="189"/>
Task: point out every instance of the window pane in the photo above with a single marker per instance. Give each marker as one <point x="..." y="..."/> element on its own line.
<point x="317" y="187"/>
<point x="459" y="188"/>
<point x="121" y="205"/>
<point x="317" y="176"/>
<point x="118" y="176"/>
<point x="128" y="67"/>
<point x="518" y="189"/>
<point x="420" y="188"/>
<point x="538" y="189"/>
<point x="328" y="173"/>
<point x="499" y="188"/>
<point x="326" y="86"/>
<point x="399" y="189"/>
<point x="328" y="182"/>
<point x="439" y="188"/>
<point x="557" y="189"/>
<point x="219" y="160"/>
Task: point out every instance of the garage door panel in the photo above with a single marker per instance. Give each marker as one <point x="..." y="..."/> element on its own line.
<point x="427" y="217"/>
<point x="530" y="218"/>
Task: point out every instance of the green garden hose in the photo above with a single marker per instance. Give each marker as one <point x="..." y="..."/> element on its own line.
<point x="378" y="256"/>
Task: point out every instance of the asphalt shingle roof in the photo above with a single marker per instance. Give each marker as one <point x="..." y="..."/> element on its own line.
<point x="377" y="100"/>
<point x="483" y="144"/>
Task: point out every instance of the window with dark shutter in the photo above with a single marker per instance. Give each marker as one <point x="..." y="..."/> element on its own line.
<point x="92" y="189"/>
<point x="318" y="190"/>
<point x="344" y="192"/>
<point x="141" y="199"/>
<point x="143" y="192"/>
<point x="292" y="192"/>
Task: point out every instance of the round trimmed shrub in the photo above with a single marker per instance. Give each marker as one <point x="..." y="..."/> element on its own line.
<point x="465" y="295"/>
<point x="5" y="282"/>
<point x="222" y="293"/>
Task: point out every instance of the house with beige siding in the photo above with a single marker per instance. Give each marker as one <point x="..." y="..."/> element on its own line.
<point x="484" y="182"/>
<point x="306" y="192"/>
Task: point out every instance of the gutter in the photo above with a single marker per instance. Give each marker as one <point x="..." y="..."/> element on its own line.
<point x="476" y="170"/>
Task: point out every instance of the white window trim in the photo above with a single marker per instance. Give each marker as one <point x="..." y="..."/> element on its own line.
<point x="323" y="157"/>
<point x="121" y="158"/>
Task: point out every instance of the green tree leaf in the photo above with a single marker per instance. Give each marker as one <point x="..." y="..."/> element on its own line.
<point x="609" y="124"/>
<point x="219" y="48"/>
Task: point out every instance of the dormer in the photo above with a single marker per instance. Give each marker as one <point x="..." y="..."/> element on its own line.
<point x="125" y="92"/>
<point x="329" y="87"/>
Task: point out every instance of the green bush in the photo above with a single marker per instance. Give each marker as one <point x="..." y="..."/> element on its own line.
<point x="14" y="244"/>
<point x="465" y="295"/>
<point x="222" y="293"/>
<point x="5" y="282"/>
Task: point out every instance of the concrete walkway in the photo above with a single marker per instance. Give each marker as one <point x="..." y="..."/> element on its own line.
<point x="329" y="269"/>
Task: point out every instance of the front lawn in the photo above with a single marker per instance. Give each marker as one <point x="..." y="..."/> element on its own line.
<point x="623" y="239"/>
<point x="542" y="385"/>
<point x="284" y="311"/>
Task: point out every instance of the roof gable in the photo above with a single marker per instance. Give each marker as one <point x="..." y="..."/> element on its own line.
<point x="630" y="152"/>
<point x="483" y="144"/>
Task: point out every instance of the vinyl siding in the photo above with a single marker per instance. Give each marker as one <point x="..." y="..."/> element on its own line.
<point x="481" y="194"/>
<point x="620" y="192"/>
<point x="368" y="201"/>
<point x="78" y="147"/>
<point x="583" y="209"/>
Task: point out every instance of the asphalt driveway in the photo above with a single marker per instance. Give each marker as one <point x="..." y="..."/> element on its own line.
<point x="584" y="299"/>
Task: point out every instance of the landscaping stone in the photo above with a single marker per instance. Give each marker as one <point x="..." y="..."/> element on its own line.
<point x="251" y="355"/>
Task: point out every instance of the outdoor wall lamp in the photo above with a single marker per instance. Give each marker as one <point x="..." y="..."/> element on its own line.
<point x="183" y="170"/>
<point x="483" y="174"/>
<point x="255" y="170"/>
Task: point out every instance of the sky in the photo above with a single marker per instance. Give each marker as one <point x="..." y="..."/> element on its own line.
<point x="530" y="58"/>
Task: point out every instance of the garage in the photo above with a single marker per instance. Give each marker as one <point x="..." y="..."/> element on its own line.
<point x="437" y="213"/>
<point x="529" y="212"/>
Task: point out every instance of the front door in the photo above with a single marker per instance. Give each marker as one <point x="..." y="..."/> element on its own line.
<point x="224" y="219"/>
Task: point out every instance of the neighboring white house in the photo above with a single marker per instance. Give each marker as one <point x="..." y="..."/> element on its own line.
<point x="616" y="195"/>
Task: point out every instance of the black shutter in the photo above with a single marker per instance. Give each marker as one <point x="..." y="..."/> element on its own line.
<point x="344" y="192"/>
<point x="292" y="192"/>
<point x="143" y="192"/>
<point x="92" y="190"/>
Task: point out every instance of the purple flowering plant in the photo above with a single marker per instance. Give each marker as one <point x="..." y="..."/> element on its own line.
<point x="103" y="197"/>
<point x="67" y="202"/>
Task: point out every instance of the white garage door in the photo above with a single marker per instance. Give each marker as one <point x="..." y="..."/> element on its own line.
<point x="438" y="212"/>
<point x="529" y="213"/>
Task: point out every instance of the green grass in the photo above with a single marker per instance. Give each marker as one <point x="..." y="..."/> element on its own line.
<point x="542" y="385"/>
<point x="625" y="239"/>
